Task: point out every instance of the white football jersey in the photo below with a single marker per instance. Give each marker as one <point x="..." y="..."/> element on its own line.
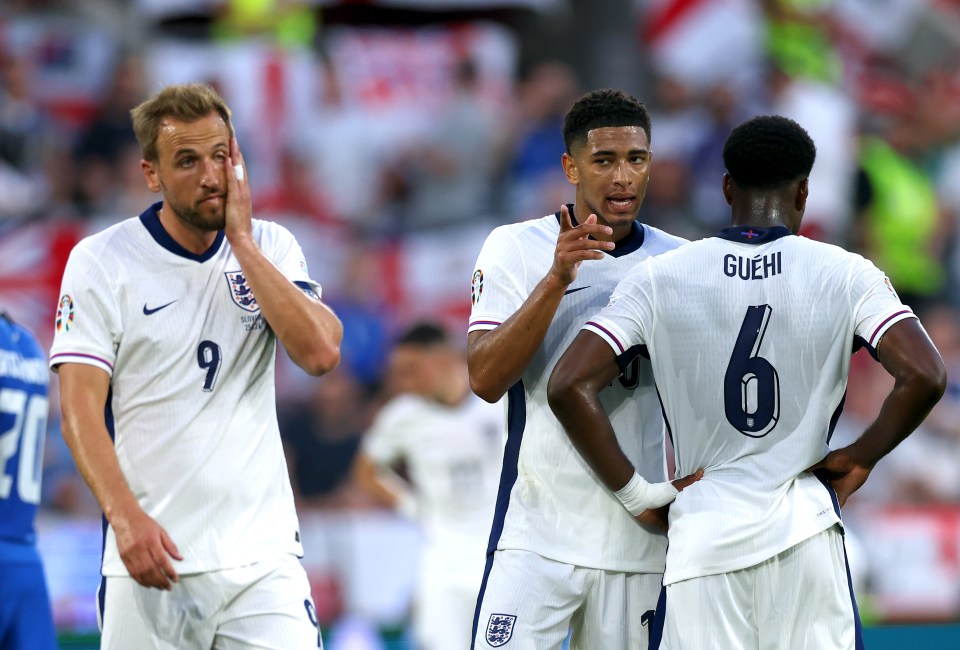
<point x="551" y="502"/>
<point x="192" y="406"/>
<point x="750" y="334"/>
<point x="453" y="455"/>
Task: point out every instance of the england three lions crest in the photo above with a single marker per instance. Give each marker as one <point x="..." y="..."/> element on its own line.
<point x="500" y="629"/>
<point x="241" y="292"/>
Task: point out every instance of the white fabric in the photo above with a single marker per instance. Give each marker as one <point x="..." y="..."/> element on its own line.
<point x="690" y="307"/>
<point x="192" y="389"/>
<point x="557" y="507"/>
<point x="266" y="605"/>
<point x="723" y="611"/>
<point x="453" y="455"/>
<point x="605" y="609"/>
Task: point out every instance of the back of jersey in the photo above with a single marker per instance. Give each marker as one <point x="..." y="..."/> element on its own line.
<point x="24" y="380"/>
<point x="750" y="334"/>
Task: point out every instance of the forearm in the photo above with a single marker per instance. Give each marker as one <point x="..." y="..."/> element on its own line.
<point x="920" y="379"/>
<point x="96" y="460"/>
<point x="497" y="358"/>
<point x="906" y="406"/>
<point x="588" y="427"/>
<point x="308" y="330"/>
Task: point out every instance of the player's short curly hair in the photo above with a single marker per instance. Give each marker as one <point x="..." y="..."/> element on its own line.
<point x="602" y="108"/>
<point x="185" y="102"/>
<point x="768" y="152"/>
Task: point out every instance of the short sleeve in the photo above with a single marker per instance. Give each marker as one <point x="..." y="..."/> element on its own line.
<point x="87" y="327"/>
<point x="498" y="287"/>
<point x="878" y="306"/>
<point x="624" y="321"/>
<point x="383" y="441"/>
<point x="284" y="251"/>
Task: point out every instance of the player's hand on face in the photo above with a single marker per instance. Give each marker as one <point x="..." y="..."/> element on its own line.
<point x="146" y="549"/>
<point x="844" y="473"/>
<point x="574" y="245"/>
<point x="239" y="205"/>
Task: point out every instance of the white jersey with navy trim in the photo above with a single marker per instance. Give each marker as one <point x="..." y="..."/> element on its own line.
<point x="453" y="455"/>
<point x="750" y="334"/>
<point x="192" y="405"/>
<point x="550" y="501"/>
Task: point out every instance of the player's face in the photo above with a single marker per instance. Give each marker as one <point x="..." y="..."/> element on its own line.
<point x="191" y="170"/>
<point x="415" y="370"/>
<point x="611" y="172"/>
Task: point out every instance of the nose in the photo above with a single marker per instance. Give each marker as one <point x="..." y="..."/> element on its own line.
<point x="212" y="172"/>
<point x="622" y="173"/>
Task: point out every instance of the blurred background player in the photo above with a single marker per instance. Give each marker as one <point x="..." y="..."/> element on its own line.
<point x="563" y="552"/>
<point x="169" y="323"/>
<point x="25" y="619"/>
<point x="450" y="444"/>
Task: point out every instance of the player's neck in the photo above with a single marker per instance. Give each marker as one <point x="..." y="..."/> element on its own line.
<point x="193" y="239"/>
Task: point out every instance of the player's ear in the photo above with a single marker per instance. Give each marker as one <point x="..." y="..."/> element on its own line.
<point x="570" y="168"/>
<point x="150" y="174"/>
<point x="728" y="189"/>
<point x="803" y="190"/>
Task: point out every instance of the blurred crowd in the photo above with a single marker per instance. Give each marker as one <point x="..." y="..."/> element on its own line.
<point x="365" y="171"/>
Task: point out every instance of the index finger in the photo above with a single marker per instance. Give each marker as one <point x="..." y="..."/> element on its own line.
<point x="566" y="223"/>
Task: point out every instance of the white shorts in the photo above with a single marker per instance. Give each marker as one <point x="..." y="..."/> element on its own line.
<point x="532" y="602"/>
<point x="261" y="605"/>
<point x="446" y="598"/>
<point x="799" y="599"/>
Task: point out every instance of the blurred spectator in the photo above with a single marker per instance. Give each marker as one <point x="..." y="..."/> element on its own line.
<point x="448" y="171"/>
<point x="24" y="140"/>
<point x="110" y="133"/>
<point x="899" y="218"/>
<point x="321" y="436"/>
<point x="533" y="180"/>
<point x="829" y="116"/>
<point x="346" y="152"/>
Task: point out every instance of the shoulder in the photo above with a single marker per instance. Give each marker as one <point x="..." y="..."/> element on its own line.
<point x="108" y="245"/>
<point x="657" y="241"/>
<point x="405" y="406"/>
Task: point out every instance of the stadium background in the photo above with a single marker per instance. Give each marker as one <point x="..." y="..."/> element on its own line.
<point x="392" y="135"/>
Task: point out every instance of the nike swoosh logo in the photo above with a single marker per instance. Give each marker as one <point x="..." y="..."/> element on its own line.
<point x="576" y="290"/>
<point x="147" y="311"/>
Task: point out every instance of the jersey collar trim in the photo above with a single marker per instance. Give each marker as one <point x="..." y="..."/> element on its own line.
<point x="151" y="221"/>
<point x="746" y="235"/>
<point x="625" y="246"/>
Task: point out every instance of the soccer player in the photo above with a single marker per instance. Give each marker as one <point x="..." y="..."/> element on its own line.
<point x="750" y="334"/>
<point x="165" y="343"/>
<point x="451" y="444"/>
<point x="563" y="552"/>
<point x="25" y="619"/>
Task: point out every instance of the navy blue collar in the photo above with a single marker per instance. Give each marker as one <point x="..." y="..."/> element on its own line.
<point x="753" y="235"/>
<point x="625" y="246"/>
<point x="151" y="221"/>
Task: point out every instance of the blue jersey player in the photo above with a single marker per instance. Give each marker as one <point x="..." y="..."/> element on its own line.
<point x="25" y="619"/>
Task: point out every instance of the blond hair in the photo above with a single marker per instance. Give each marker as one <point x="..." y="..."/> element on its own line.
<point x="185" y="102"/>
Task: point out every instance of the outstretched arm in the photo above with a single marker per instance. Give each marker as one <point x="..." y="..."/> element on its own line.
<point x="587" y="366"/>
<point x="144" y="545"/>
<point x="308" y="330"/>
<point x="497" y="358"/>
<point x="908" y="354"/>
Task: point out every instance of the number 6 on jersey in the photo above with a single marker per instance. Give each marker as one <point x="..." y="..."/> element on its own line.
<point x="751" y="387"/>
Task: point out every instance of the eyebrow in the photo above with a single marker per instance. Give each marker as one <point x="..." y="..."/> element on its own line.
<point x="607" y="152"/>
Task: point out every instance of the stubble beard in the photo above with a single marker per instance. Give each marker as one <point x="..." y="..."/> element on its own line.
<point x="201" y="219"/>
